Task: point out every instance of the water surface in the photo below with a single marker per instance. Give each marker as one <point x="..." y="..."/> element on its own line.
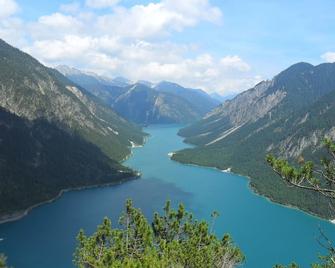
<point x="266" y="232"/>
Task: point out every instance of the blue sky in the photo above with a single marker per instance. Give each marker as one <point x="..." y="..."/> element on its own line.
<point x="225" y="46"/>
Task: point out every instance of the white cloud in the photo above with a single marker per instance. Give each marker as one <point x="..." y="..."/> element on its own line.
<point x="101" y="3"/>
<point x="328" y="56"/>
<point x="71" y="47"/>
<point x="139" y="60"/>
<point x="141" y="21"/>
<point x="200" y="9"/>
<point x="58" y="20"/>
<point x="73" y="7"/>
<point x="124" y="41"/>
<point x="235" y="62"/>
<point x="56" y="25"/>
<point x="11" y="27"/>
<point x="8" y="8"/>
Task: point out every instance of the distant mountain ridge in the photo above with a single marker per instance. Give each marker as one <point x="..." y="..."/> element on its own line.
<point x="288" y="116"/>
<point x="145" y="105"/>
<point x="72" y="138"/>
<point x="164" y="102"/>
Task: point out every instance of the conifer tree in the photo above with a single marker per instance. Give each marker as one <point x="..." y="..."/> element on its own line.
<point x="313" y="177"/>
<point x="174" y="239"/>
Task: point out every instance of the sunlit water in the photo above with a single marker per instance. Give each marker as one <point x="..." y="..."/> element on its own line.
<point x="266" y="232"/>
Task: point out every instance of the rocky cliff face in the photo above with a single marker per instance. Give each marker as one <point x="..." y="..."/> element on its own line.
<point x="288" y="116"/>
<point x="262" y="106"/>
<point x="32" y="91"/>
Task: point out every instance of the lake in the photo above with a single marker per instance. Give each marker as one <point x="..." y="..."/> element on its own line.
<point x="266" y="232"/>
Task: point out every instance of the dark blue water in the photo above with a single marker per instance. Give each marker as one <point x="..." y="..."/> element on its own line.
<point x="266" y="232"/>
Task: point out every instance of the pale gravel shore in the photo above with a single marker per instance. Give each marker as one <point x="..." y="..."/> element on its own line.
<point x="134" y="145"/>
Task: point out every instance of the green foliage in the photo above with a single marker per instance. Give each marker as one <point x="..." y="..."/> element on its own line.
<point x="3" y="261"/>
<point x="174" y="239"/>
<point x="308" y="177"/>
<point x="325" y="262"/>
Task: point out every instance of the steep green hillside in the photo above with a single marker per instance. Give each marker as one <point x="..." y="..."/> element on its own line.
<point x="39" y="159"/>
<point x="288" y="116"/>
<point x="54" y="135"/>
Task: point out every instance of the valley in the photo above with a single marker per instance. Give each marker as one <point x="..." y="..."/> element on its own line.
<point x="252" y="220"/>
<point x="167" y="133"/>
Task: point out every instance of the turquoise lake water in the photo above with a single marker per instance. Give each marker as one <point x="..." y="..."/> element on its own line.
<point x="267" y="233"/>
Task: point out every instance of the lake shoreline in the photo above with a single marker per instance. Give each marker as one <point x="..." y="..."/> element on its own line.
<point x="254" y="191"/>
<point x="15" y="216"/>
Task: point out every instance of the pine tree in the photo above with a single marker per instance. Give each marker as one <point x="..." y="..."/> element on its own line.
<point x="312" y="177"/>
<point x="174" y="239"/>
<point x="3" y="261"/>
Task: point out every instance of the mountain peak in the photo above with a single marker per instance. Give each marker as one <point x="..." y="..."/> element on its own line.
<point x="67" y="70"/>
<point x="298" y="68"/>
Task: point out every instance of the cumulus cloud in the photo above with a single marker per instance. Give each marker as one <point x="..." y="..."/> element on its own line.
<point x="101" y="3"/>
<point x="124" y="42"/>
<point x="8" y="8"/>
<point x="140" y="60"/>
<point x="235" y="62"/>
<point x="142" y="21"/>
<point x="328" y="56"/>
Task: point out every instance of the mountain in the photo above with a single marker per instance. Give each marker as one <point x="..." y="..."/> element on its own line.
<point x="222" y="98"/>
<point x="102" y="87"/>
<point x="54" y="134"/>
<point x="199" y="98"/>
<point x="146" y="83"/>
<point x="145" y="102"/>
<point x="145" y="105"/>
<point x="288" y="116"/>
<point x="38" y="160"/>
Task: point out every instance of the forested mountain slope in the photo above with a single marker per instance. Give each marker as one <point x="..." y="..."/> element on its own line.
<point x="288" y="116"/>
<point x="55" y="135"/>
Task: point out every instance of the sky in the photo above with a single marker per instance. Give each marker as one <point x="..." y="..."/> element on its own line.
<point x="225" y="46"/>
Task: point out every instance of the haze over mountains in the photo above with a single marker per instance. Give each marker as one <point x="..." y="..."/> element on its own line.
<point x="54" y="135"/>
<point x="289" y="116"/>
<point x="144" y="102"/>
